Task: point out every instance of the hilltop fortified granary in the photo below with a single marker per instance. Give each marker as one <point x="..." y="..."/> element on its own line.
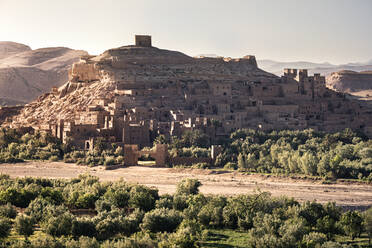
<point x="131" y="94"/>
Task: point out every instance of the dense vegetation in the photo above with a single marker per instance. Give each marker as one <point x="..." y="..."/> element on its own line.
<point x="338" y="155"/>
<point x="49" y="214"/>
<point x="15" y="147"/>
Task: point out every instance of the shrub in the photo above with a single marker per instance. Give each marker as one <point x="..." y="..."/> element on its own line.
<point x="119" y="151"/>
<point x="292" y="231"/>
<point x="230" y="166"/>
<point x="107" y="228"/>
<point x="211" y="213"/>
<point x="8" y="211"/>
<point x="24" y="225"/>
<point x="117" y="196"/>
<point x="54" y="158"/>
<point x="351" y="222"/>
<point x="86" y="200"/>
<point x="314" y="239"/>
<point x="109" y="160"/>
<point x="68" y="159"/>
<point x="83" y="227"/>
<point x="165" y="201"/>
<point x="180" y="202"/>
<point x="17" y="197"/>
<point x="331" y="244"/>
<point x="53" y="196"/>
<point x="161" y="220"/>
<point x="137" y="241"/>
<point x="188" y="186"/>
<point x="37" y="209"/>
<point x="130" y="224"/>
<point x="59" y="225"/>
<point x="143" y="197"/>
<point x="368" y="223"/>
<point x="46" y="242"/>
<point x="183" y="238"/>
<point x="103" y="205"/>
<point x="83" y="242"/>
<point x="200" y="166"/>
<point x="120" y="160"/>
<point x="5" y="226"/>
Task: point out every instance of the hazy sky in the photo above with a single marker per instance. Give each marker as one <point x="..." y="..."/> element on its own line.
<point x="336" y="31"/>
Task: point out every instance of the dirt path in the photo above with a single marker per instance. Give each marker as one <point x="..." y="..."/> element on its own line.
<point x="230" y="183"/>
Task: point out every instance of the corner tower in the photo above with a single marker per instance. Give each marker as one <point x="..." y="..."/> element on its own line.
<point x="143" y="40"/>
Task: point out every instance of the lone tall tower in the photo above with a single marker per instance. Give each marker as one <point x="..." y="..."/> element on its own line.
<point x="143" y="40"/>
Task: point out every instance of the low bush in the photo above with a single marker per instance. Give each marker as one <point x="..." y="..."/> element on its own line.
<point x="161" y="220"/>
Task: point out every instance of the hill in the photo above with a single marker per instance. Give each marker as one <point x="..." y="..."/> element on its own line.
<point x="25" y="73"/>
<point x="8" y="48"/>
<point x="350" y="81"/>
<point x="358" y="84"/>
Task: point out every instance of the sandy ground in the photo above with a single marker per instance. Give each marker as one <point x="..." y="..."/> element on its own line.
<point x="226" y="183"/>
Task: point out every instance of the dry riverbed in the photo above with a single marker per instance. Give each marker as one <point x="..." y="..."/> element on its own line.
<point x="226" y="183"/>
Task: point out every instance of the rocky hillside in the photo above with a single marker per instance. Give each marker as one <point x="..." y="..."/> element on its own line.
<point x="25" y="74"/>
<point x="102" y="76"/>
<point x="350" y="81"/>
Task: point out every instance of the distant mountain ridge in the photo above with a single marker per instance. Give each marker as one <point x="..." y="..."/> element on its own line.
<point x="325" y="68"/>
<point x="276" y="67"/>
<point x="25" y="73"/>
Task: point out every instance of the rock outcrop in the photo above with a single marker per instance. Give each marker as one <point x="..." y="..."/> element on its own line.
<point x="350" y="81"/>
<point x="25" y="74"/>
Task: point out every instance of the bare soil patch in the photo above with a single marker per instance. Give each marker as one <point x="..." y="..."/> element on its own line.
<point x="226" y="183"/>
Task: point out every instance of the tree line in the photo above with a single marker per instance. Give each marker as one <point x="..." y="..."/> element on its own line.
<point x="329" y="155"/>
<point x="343" y="154"/>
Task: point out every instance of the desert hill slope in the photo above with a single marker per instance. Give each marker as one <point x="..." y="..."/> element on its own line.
<point x="8" y="48"/>
<point x="25" y="74"/>
<point x="350" y="81"/>
<point x="355" y="83"/>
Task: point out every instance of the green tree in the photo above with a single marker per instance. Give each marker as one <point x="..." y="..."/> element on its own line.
<point x="161" y="220"/>
<point x="143" y="197"/>
<point x="8" y="211"/>
<point x="368" y="223"/>
<point x="37" y="209"/>
<point x="24" y="225"/>
<point x="83" y="227"/>
<point x="351" y="222"/>
<point x="241" y="162"/>
<point x="107" y="227"/>
<point x="292" y="231"/>
<point x="309" y="163"/>
<point x="188" y="186"/>
<point x="161" y="139"/>
<point x="5" y="226"/>
<point x="313" y="240"/>
<point x="59" y="225"/>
